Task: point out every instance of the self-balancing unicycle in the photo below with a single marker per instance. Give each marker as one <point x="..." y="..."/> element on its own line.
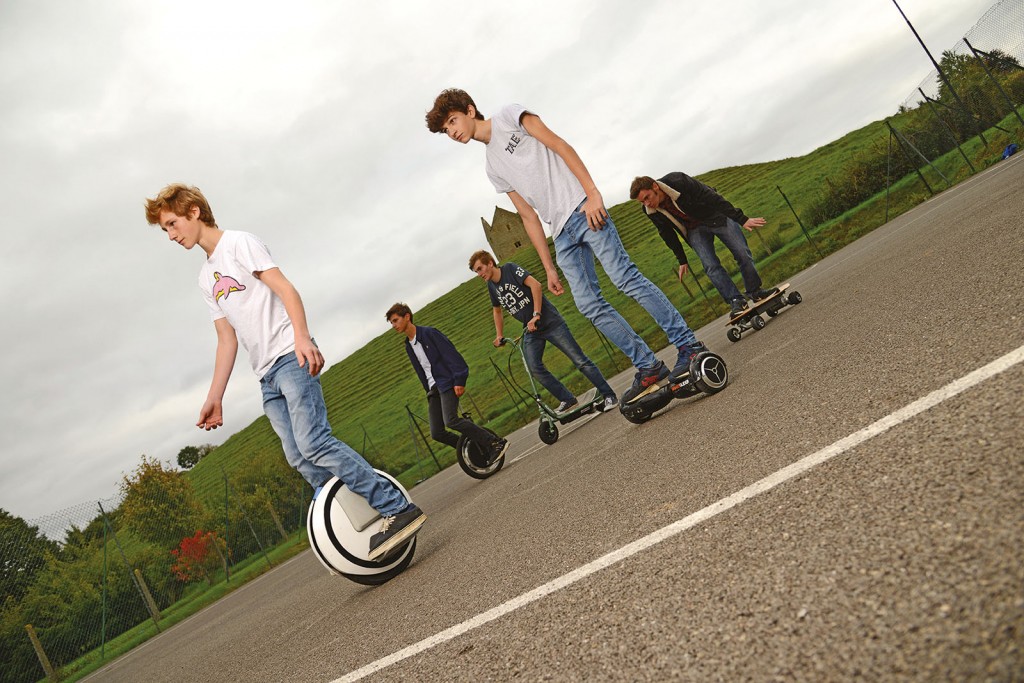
<point x="340" y="524"/>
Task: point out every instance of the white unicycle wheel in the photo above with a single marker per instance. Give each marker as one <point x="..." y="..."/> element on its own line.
<point x="340" y="524"/>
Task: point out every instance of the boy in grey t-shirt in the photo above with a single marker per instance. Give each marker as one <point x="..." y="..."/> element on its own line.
<point x="542" y="174"/>
<point x="513" y="289"/>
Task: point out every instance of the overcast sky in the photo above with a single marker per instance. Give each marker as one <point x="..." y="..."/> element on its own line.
<point x="302" y="122"/>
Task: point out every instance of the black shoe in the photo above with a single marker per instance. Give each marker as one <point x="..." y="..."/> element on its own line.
<point x="500" y="448"/>
<point x="738" y="306"/>
<point x="644" y="380"/>
<point x="762" y="294"/>
<point x="396" y="529"/>
<point x="686" y="354"/>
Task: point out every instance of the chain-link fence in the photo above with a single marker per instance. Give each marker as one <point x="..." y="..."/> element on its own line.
<point x="85" y="584"/>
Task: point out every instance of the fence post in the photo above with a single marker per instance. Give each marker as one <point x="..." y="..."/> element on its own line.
<point x="993" y="79"/>
<point x="806" y="234"/>
<point x="412" y="419"/>
<point x="131" y="572"/>
<point x="952" y="136"/>
<point x="277" y="521"/>
<point x="246" y="518"/>
<point x="41" y="653"/>
<point x="150" y="602"/>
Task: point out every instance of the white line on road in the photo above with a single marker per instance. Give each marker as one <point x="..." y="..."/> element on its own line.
<point x="785" y="474"/>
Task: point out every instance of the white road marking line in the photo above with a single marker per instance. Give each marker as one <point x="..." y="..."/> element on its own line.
<point x="771" y="481"/>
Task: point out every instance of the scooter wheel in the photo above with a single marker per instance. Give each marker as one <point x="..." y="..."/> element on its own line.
<point x="548" y="432"/>
<point x="733" y="334"/>
<point x="474" y="462"/>
<point x="709" y="373"/>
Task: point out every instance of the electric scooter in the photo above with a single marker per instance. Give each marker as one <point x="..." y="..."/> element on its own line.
<point x="590" y="402"/>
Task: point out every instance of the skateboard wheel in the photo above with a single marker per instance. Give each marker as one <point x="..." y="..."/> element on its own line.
<point x="757" y="322"/>
<point x="772" y="312"/>
<point x="794" y="298"/>
<point x="733" y="334"/>
<point x="548" y="432"/>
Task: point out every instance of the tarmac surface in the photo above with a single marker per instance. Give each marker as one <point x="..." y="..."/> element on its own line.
<point x="890" y="550"/>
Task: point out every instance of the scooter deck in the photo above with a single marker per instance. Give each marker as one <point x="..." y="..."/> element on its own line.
<point x="586" y="404"/>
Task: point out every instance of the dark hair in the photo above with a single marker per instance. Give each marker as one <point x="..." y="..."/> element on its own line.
<point x="401" y="309"/>
<point x="640" y="183"/>
<point x="448" y="101"/>
<point x="482" y="255"/>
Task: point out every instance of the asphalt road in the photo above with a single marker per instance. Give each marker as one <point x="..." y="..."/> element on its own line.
<point x="898" y="557"/>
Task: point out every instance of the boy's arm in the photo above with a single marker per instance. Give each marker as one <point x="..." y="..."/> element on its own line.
<point x="538" y="301"/>
<point x="211" y="415"/>
<point x="535" y="231"/>
<point x="594" y="206"/>
<point x="499" y="324"/>
<point x="305" y="350"/>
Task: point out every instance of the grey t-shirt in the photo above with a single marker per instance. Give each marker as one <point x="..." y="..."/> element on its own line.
<point x="518" y="161"/>
<point x="513" y="294"/>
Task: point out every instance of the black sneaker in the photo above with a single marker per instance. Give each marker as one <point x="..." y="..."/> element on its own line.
<point x="566" y="405"/>
<point x="500" y="448"/>
<point x="396" y="529"/>
<point x="762" y="294"/>
<point x="686" y="354"/>
<point x="738" y="306"/>
<point x="644" y="380"/>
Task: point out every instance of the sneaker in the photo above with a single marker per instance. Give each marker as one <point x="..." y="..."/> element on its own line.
<point x="395" y="530"/>
<point x="644" y="380"/>
<point x="686" y="354"/>
<point x="500" y="448"/>
<point x="609" y="403"/>
<point x="738" y="306"/>
<point x="761" y="294"/>
<point x="565" y="405"/>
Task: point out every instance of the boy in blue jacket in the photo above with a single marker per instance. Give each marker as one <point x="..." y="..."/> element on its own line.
<point x="443" y="372"/>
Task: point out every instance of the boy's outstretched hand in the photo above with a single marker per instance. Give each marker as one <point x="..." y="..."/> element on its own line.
<point x="307" y="353"/>
<point x="211" y="415"/>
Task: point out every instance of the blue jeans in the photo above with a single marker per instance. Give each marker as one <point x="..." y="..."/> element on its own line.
<point x="294" y="402"/>
<point x="575" y="249"/>
<point x="702" y="240"/>
<point x="562" y="339"/>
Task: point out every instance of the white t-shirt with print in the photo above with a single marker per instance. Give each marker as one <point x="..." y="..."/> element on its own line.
<point x="232" y="291"/>
<point x="518" y="161"/>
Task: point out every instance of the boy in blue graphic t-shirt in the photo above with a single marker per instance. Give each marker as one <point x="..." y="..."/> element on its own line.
<point x="513" y="289"/>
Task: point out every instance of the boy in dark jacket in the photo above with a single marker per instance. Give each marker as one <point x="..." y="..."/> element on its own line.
<point x="680" y="205"/>
<point x="443" y="372"/>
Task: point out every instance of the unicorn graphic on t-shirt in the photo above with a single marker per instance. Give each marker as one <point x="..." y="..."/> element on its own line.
<point x="225" y="285"/>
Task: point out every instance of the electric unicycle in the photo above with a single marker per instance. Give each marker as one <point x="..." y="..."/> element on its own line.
<point x="340" y="524"/>
<point x="475" y="462"/>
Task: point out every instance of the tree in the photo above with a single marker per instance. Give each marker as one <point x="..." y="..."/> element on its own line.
<point x="188" y="457"/>
<point x="23" y="553"/>
<point x="160" y="505"/>
<point x="197" y="557"/>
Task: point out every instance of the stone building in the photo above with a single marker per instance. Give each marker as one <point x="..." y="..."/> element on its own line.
<point x="505" y="233"/>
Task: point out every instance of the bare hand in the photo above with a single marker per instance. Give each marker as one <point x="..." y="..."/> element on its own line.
<point x="554" y="284"/>
<point x="594" y="208"/>
<point x="532" y="325"/>
<point x="459" y="391"/>
<point x="211" y="415"/>
<point x="754" y="223"/>
<point x="497" y="342"/>
<point x="684" y="268"/>
<point x="307" y="352"/>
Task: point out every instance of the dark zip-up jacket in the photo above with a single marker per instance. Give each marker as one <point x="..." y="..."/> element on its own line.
<point x="698" y="201"/>
<point x="447" y="366"/>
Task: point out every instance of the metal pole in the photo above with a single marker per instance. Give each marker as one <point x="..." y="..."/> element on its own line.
<point x="942" y="74"/>
<point x="430" y="450"/>
<point x="994" y="81"/>
<point x="128" y="564"/>
<point x="806" y="234"/>
<point x="888" y="175"/>
<point x="892" y="131"/>
<point x="900" y="136"/>
<point x="935" y="112"/>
